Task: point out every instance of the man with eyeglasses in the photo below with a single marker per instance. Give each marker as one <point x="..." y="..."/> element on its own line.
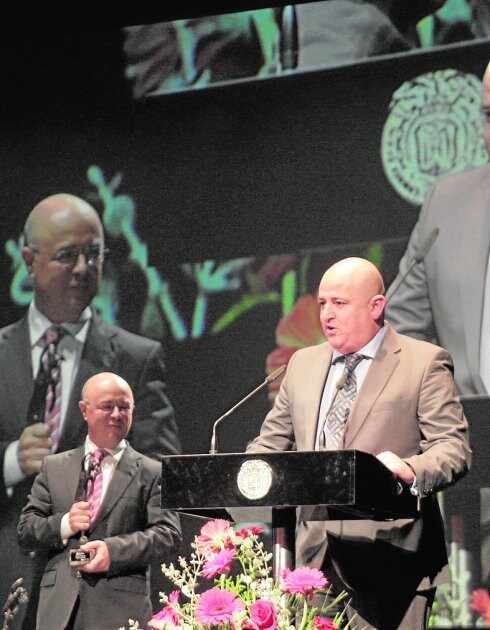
<point x="64" y="252"/>
<point x="120" y="518"/>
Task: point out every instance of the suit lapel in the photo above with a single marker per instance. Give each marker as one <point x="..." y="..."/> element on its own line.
<point x="313" y="388"/>
<point x="16" y="369"/>
<point x="379" y="373"/>
<point x="72" y="472"/>
<point x="122" y="476"/>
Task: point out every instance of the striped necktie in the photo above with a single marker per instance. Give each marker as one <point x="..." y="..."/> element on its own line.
<point x="94" y="490"/>
<point x="50" y="363"/>
<point x="332" y="435"/>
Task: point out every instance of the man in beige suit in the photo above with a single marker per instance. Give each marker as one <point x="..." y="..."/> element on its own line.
<point x="407" y="412"/>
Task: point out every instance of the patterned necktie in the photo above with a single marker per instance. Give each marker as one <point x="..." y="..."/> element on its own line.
<point x="94" y="489"/>
<point x="332" y="434"/>
<point x="50" y="363"/>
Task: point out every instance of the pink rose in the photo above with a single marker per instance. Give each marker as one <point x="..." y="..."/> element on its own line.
<point x="263" y="616"/>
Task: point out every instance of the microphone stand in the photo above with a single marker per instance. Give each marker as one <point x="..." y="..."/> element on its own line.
<point x="272" y="377"/>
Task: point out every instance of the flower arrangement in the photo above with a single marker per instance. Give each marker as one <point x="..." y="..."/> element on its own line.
<point x="480" y="603"/>
<point x="247" y="598"/>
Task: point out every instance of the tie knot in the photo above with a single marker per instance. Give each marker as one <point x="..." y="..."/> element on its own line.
<point x="99" y="455"/>
<point x="352" y="361"/>
<point x="53" y="334"/>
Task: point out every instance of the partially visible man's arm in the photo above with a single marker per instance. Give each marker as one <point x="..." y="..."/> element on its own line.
<point x="408" y="307"/>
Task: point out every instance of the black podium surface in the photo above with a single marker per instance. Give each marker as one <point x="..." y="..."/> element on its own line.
<point x="346" y="484"/>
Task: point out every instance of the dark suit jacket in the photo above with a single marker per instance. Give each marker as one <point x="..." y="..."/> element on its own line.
<point x="130" y="521"/>
<point x="107" y="348"/>
<point x="407" y="404"/>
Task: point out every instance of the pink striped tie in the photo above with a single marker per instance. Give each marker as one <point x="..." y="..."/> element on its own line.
<point x="50" y="361"/>
<point x="94" y="493"/>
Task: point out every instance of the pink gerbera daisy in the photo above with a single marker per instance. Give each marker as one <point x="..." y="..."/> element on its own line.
<point x="218" y="563"/>
<point x="304" y="580"/>
<point x="215" y="536"/>
<point x="167" y="617"/>
<point x="216" y="607"/>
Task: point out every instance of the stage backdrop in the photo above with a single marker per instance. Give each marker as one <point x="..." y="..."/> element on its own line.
<point x="223" y="206"/>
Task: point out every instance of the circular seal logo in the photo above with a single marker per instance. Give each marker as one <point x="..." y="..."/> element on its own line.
<point x="254" y="478"/>
<point x="434" y="127"/>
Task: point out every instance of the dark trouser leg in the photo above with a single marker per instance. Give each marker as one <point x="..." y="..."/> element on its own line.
<point x="398" y="608"/>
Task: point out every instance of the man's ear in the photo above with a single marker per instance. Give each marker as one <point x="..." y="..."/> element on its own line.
<point x="28" y="256"/>
<point x="83" y="408"/>
<point x="378" y="303"/>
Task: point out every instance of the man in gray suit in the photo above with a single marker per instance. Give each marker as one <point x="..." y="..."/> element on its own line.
<point x="128" y="530"/>
<point x="408" y="414"/>
<point x="64" y="253"/>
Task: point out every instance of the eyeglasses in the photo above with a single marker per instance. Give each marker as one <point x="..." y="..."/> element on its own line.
<point x="109" y="406"/>
<point x="94" y="254"/>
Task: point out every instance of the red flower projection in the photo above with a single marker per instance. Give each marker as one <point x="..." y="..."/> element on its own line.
<point x="299" y="329"/>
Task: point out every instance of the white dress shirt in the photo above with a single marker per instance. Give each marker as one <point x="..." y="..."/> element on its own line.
<point x="70" y="349"/>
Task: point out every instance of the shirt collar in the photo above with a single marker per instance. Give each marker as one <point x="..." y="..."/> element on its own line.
<point x="90" y="447"/>
<point x="39" y="323"/>
<point x="370" y="349"/>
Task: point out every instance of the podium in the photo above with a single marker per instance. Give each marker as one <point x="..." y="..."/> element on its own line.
<point x="322" y="485"/>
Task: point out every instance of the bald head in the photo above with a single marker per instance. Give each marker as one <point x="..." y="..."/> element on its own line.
<point x="64" y="253"/>
<point x="107" y="408"/>
<point x="351" y="298"/>
<point x="486" y="74"/>
<point x="55" y="212"/>
<point x="359" y="273"/>
<point x="103" y="381"/>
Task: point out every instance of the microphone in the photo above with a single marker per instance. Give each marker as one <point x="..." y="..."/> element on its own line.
<point x="35" y="412"/>
<point x="338" y="386"/>
<point x="418" y="258"/>
<point x="85" y="477"/>
<point x="341" y="382"/>
<point x="271" y="377"/>
<point x="47" y="377"/>
<point x="77" y="556"/>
